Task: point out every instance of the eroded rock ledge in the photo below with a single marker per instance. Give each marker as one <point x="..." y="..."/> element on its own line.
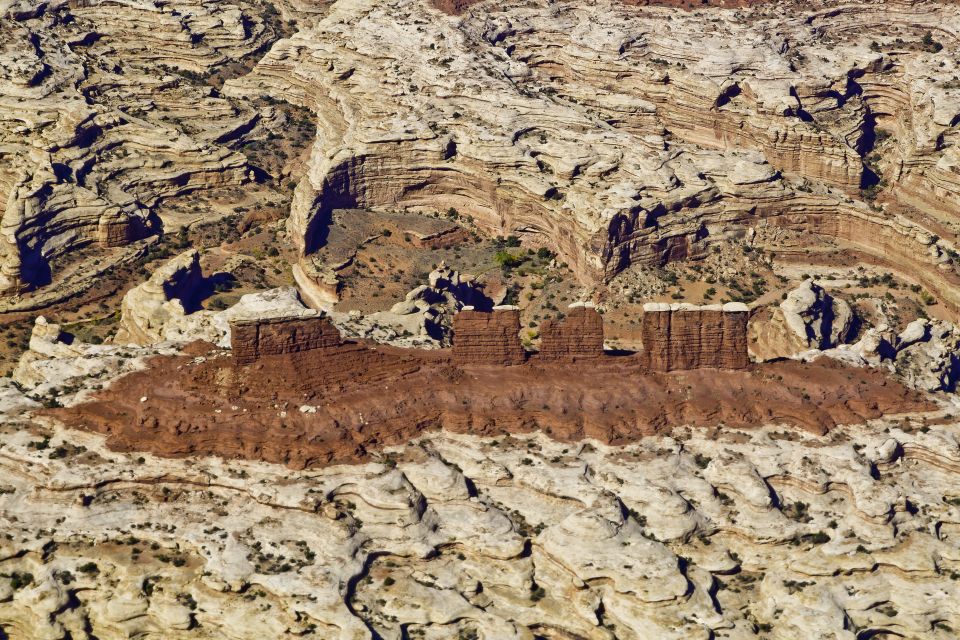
<point x="339" y="404"/>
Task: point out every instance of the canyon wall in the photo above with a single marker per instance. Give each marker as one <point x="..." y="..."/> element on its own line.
<point x="698" y="141"/>
<point x="681" y="336"/>
<point x="89" y="149"/>
<point x="578" y="335"/>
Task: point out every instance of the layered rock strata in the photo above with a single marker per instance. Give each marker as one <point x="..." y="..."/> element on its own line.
<point x="105" y="113"/>
<point x="338" y="404"/>
<point x="682" y="336"/>
<point x="253" y="339"/>
<point x="578" y="335"/>
<point x="743" y="534"/>
<point x="615" y="140"/>
<point x="481" y="337"/>
<point x="151" y="311"/>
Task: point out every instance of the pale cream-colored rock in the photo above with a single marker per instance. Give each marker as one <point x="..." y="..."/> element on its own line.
<point x="99" y="123"/>
<point x="455" y="535"/>
<point x="164" y="308"/>
<point x="621" y="135"/>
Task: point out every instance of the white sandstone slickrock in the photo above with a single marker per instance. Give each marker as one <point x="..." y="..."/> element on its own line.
<point x="164" y="308"/>
<point x="615" y="139"/>
<point x="816" y="317"/>
<point x="690" y="536"/>
<point x="98" y="127"/>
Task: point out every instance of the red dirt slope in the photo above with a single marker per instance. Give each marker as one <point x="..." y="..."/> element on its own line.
<point x="365" y="398"/>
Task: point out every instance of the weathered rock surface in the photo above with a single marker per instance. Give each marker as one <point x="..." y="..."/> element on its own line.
<point x="360" y="396"/>
<point x="158" y="308"/>
<point x="481" y="337"/>
<point x="99" y="122"/>
<point x="165" y="308"/>
<point x="423" y="319"/>
<point x="684" y="336"/>
<point x="701" y="534"/>
<point x="925" y="355"/>
<point x="817" y="318"/>
<point x="56" y="362"/>
<point x="808" y="318"/>
<point x="578" y="335"/>
<point x="601" y="132"/>
<point x="931" y="360"/>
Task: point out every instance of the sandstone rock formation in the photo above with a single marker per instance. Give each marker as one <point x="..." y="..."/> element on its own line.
<point x="615" y="140"/>
<point x="928" y="355"/>
<point x="925" y="355"/>
<point x="755" y="533"/>
<point x="157" y="309"/>
<point x="683" y="336"/>
<point x="493" y="338"/>
<point x="56" y="362"/>
<point x="808" y="318"/>
<point x="818" y="319"/>
<point x="99" y="121"/>
<point x="423" y="318"/>
<point x="253" y="339"/>
<point x="165" y="308"/>
<point x="578" y="335"/>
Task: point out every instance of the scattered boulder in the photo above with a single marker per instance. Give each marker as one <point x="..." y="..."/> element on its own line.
<point x="914" y="332"/>
<point x="808" y="318"/>
<point x="816" y="317"/>
<point x="923" y="356"/>
<point x="423" y="318"/>
<point x="927" y="355"/>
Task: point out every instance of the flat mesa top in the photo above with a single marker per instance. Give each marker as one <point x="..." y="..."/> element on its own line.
<point x="729" y="307"/>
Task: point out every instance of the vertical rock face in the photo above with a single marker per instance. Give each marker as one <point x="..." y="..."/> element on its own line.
<point x="681" y="336"/>
<point x="252" y="339"/>
<point x="480" y="337"/>
<point x="579" y="335"/>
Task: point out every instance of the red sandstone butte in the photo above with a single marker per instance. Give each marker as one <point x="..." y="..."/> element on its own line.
<point x="683" y="336"/>
<point x="275" y="336"/>
<point x="481" y="337"/>
<point x="358" y="397"/>
<point x="578" y="335"/>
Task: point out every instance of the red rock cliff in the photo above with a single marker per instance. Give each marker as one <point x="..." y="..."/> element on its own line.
<point x="688" y="337"/>
<point x="578" y="335"/>
<point x="252" y="339"/>
<point x="481" y="337"/>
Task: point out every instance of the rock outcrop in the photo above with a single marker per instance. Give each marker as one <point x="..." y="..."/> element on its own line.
<point x="165" y="308"/>
<point x="616" y="141"/>
<point x="491" y="338"/>
<point x="253" y="339"/>
<point x="56" y="361"/>
<point x="423" y="318"/>
<point x="818" y="319"/>
<point x="682" y="336"/>
<point x="578" y="335"/>
<point x="104" y="113"/>
<point x="698" y="534"/>
<point x="928" y="355"/>
<point x="157" y="310"/>
<point x="924" y="356"/>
